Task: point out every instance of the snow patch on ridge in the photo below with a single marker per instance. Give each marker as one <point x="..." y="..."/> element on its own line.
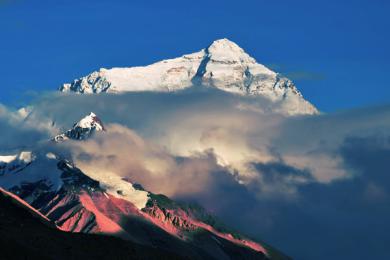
<point x="23" y="157"/>
<point x="116" y="186"/>
<point x="7" y="158"/>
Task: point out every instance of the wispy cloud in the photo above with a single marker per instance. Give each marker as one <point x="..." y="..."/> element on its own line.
<point x="305" y="75"/>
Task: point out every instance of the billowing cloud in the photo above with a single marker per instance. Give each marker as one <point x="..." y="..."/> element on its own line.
<point x="122" y="152"/>
<point x="316" y="187"/>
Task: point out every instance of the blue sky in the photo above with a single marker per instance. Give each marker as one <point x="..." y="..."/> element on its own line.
<point x="336" y="51"/>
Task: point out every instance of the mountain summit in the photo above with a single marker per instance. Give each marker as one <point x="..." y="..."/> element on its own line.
<point x="223" y="65"/>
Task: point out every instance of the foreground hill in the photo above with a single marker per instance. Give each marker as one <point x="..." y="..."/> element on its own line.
<point x="25" y="234"/>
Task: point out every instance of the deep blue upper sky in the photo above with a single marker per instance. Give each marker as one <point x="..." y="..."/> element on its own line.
<point x="336" y="51"/>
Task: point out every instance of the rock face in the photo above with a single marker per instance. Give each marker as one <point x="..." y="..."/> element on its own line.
<point x="73" y="201"/>
<point x="223" y="65"/>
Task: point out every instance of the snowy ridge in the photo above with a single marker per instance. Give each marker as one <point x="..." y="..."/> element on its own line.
<point x="51" y="173"/>
<point x="223" y="65"/>
<point x="27" y="168"/>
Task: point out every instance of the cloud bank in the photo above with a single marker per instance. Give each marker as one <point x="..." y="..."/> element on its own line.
<point x="316" y="187"/>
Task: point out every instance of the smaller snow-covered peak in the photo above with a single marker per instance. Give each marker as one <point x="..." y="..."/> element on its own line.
<point x="90" y="121"/>
<point x="82" y="129"/>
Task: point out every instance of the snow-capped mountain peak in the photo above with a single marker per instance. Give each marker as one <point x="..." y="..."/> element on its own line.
<point x="82" y="129"/>
<point x="223" y="65"/>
